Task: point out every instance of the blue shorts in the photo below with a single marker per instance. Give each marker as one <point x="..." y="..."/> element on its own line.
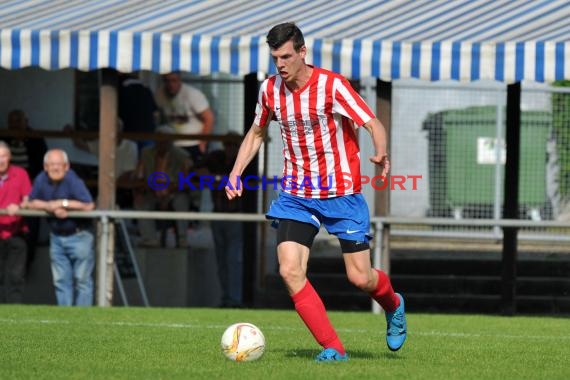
<point x="346" y="217"/>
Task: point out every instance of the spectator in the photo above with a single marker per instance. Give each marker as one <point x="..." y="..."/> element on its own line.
<point x="228" y="235"/>
<point x="14" y="189"/>
<point x="27" y="152"/>
<point x="137" y="108"/>
<point x="186" y="109"/>
<point x="126" y="158"/>
<point x="165" y="158"/>
<point x="58" y="190"/>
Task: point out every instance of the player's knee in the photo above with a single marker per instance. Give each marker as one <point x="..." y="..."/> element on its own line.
<point x="360" y="280"/>
<point x="290" y="274"/>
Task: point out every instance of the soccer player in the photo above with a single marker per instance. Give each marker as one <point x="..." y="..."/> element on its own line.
<point x="318" y="111"/>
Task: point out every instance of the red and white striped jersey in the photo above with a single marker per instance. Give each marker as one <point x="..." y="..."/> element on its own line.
<point x="320" y="149"/>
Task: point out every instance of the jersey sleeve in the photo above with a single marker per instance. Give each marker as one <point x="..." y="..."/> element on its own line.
<point x="349" y="103"/>
<point x="262" y="110"/>
<point x="198" y="100"/>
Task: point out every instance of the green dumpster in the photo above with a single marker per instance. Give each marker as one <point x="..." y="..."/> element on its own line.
<point x="463" y="158"/>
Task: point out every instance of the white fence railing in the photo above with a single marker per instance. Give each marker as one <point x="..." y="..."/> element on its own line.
<point x="378" y="224"/>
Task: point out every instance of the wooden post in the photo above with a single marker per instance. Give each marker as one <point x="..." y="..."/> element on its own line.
<point x="511" y="199"/>
<point x="107" y="180"/>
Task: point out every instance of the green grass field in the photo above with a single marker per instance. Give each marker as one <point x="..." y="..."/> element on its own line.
<point x="48" y="342"/>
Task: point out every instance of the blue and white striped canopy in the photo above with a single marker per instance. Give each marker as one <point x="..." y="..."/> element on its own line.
<point x="467" y="40"/>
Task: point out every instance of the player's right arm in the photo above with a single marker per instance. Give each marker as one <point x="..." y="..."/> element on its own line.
<point x="247" y="151"/>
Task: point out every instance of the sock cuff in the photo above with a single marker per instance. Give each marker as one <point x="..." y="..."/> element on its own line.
<point x="384" y="293"/>
<point x="303" y="293"/>
<point x="383" y="280"/>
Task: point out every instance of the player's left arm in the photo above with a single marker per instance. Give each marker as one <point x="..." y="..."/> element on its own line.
<point x="349" y="103"/>
<point x="380" y="141"/>
<point x="247" y="151"/>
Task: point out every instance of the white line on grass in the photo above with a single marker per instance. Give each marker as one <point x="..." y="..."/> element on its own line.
<point x="212" y="326"/>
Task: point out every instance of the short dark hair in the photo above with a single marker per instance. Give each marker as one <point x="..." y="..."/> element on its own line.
<point x="281" y="33"/>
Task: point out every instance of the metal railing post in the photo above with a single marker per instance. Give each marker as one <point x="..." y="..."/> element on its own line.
<point x="102" y="262"/>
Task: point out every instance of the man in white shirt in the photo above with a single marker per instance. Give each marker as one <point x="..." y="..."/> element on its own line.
<point x="186" y="109"/>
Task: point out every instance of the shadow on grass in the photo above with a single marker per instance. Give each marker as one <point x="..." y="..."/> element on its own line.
<point x="303" y="353"/>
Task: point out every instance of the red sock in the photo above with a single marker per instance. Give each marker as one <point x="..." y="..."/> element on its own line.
<point x="312" y="311"/>
<point x="384" y="294"/>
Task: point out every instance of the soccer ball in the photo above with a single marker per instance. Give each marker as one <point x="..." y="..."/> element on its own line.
<point x="243" y="342"/>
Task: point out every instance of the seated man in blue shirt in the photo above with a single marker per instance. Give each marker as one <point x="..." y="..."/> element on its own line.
<point x="56" y="190"/>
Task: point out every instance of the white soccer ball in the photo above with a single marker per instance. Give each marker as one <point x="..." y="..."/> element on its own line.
<point x="243" y="342"/>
